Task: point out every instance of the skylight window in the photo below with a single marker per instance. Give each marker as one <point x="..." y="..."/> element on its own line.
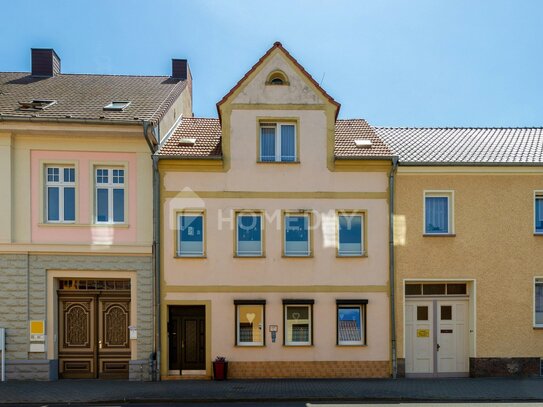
<point x="361" y="143"/>
<point x="117" y="106"/>
<point x="37" y="104"/>
<point x="187" y="141"/>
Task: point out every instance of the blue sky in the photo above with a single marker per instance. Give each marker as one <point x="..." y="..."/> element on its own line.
<point x="392" y="62"/>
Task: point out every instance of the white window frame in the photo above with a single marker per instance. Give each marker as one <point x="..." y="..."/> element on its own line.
<point x="309" y="322"/>
<point x="449" y="194"/>
<point x="309" y="232"/>
<point x="60" y="184"/>
<point x="238" y="325"/>
<point x="537" y="195"/>
<point x="178" y="247"/>
<point x="277" y="126"/>
<point x="110" y="186"/>
<point x="362" y="233"/>
<point x="537" y="280"/>
<point x="362" y="308"/>
<point x="236" y="233"/>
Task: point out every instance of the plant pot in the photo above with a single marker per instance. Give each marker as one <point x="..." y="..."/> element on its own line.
<point x="220" y="370"/>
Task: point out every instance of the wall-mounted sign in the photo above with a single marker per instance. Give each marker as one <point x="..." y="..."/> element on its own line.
<point x="423" y="333"/>
<point x="133" y="332"/>
<point x="273" y="328"/>
<point x="446" y="331"/>
<point x="37" y="331"/>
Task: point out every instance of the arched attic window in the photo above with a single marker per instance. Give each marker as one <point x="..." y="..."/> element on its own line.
<point x="277" y="78"/>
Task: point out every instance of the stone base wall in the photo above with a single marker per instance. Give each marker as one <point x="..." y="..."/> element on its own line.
<point x="141" y="370"/>
<point x="400" y="365"/>
<point x="293" y="369"/>
<point x="485" y="367"/>
<point x="31" y="370"/>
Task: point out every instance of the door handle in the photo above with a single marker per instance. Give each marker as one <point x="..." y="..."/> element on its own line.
<point x="182" y="344"/>
<point x="100" y="344"/>
<point x="437" y="346"/>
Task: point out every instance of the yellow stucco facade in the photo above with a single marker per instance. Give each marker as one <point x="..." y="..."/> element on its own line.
<point x="492" y="248"/>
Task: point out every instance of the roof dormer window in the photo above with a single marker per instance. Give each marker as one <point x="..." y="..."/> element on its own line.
<point x="117" y="106"/>
<point x="277" y="78"/>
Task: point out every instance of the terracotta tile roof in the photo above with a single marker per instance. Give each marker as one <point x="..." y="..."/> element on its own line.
<point x="347" y="131"/>
<point x="207" y="135"/>
<point x="205" y="132"/>
<point x="465" y="146"/>
<point x="296" y="63"/>
<point x="83" y="97"/>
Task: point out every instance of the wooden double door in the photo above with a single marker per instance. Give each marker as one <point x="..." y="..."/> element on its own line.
<point x="187" y="339"/>
<point x="93" y="340"/>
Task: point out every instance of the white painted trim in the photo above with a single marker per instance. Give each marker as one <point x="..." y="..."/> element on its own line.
<point x="449" y="194"/>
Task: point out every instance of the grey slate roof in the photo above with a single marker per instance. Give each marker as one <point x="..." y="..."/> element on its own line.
<point x="83" y="96"/>
<point x="465" y="146"/>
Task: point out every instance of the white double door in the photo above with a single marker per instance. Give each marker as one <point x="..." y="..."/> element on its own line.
<point x="436" y="337"/>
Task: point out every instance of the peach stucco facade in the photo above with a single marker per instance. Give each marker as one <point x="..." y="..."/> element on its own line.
<point x="307" y="185"/>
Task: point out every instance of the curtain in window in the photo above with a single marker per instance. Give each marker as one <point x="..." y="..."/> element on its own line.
<point x="267" y="144"/>
<point x="52" y="203"/>
<point x="118" y="205"/>
<point x="539" y="214"/>
<point x="298" y="325"/>
<point x="249" y="235"/>
<point x="251" y="324"/>
<point x="297" y="235"/>
<point x="102" y="205"/>
<point x="69" y="203"/>
<point x="539" y="303"/>
<point x="437" y="215"/>
<point x="288" y="143"/>
<point x="350" y="235"/>
<point x="191" y="235"/>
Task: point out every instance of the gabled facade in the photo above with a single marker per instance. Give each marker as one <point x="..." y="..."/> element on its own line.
<point x="468" y="234"/>
<point x="76" y="230"/>
<point x="274" y="243"/>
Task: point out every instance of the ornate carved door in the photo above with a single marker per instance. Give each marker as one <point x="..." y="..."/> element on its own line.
<point x="113" y="337"/>
<point x="77" y="336"/>
<point x="93" y="334"/>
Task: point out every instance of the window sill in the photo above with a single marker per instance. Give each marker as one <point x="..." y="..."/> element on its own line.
<point x="249" y="346"/>
<point x="354" y="345"/>
<point x="84" y="225"/>
<point x="538" y="327"/>
<point x="538" y="234"/>
<point x="285" y="345"/>
<point x="291" y="256"/>
<point x="190" y="257"/>
<point x="237" y="256"/>
<point x="278" y="162"/>
<point x="439" y="235"/>
<point x="357" y="256"/>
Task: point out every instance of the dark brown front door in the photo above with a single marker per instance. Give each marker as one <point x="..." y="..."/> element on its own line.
<point x="93" y="334"/>
<point x="186" y="331"/>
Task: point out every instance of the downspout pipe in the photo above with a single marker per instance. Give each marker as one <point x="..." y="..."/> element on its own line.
<point x="391" y="277"/>
<point x="156" y="252"/>
<point x="156" y="244"/>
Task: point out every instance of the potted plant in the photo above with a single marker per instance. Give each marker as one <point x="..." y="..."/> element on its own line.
<point x="220" y="368"/>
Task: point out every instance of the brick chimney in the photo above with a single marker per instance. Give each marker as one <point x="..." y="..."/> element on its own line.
<point x="45" y="62"/>
<point x="180" y="69"/>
